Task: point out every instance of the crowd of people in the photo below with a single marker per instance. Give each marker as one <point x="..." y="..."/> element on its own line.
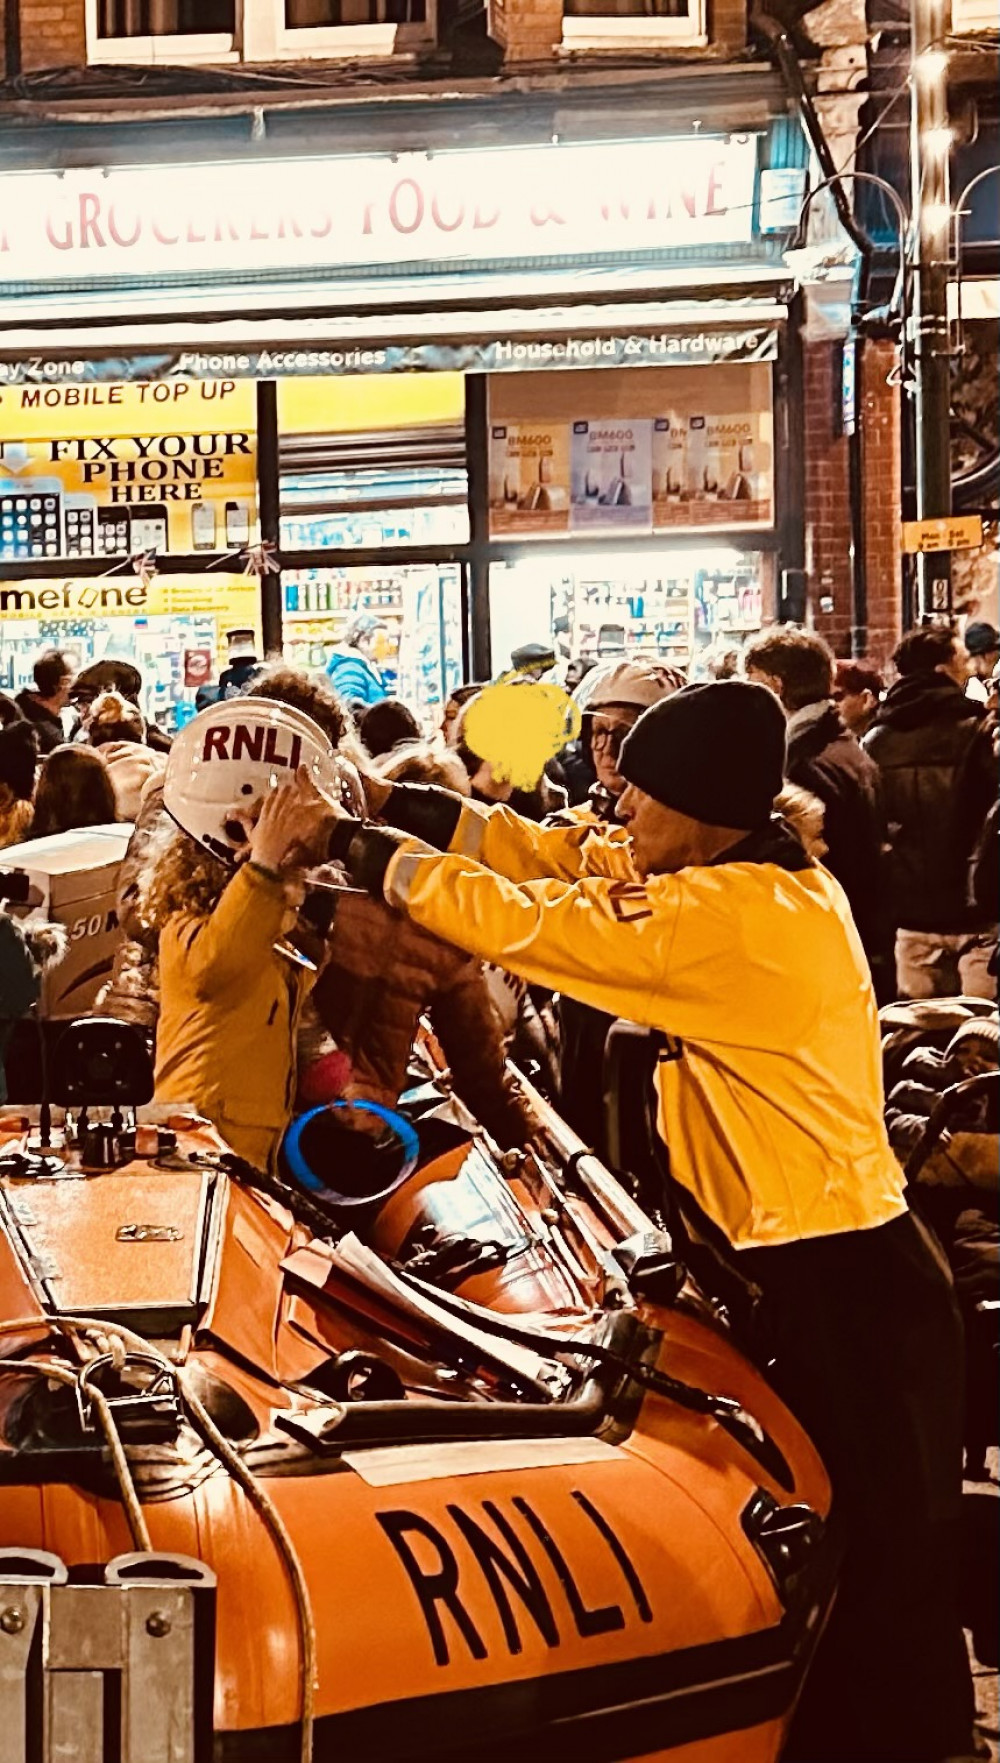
<point x="893" y="788"/>
<point x="740" y="865"/>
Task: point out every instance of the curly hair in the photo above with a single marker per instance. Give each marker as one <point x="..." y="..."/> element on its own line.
<point x="178" y="876"/>
<point x="15" y="818"/>
<point x="310" y="693"/>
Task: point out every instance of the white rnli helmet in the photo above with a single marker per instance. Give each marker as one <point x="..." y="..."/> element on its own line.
<point x="231" y="755"/>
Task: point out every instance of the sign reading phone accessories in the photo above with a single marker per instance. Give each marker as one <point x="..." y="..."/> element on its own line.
<point x="153" y="486"/>
<point x="653" y="348"/>
<point x="144" y="224"/>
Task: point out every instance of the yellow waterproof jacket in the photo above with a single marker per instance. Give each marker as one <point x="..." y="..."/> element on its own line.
<point x="229" y="1010"/>
<point x="770" y="1085"/>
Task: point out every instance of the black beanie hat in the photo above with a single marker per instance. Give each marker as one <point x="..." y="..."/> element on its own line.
<point x="714" y="751"/>
<point x="18" y="758"/>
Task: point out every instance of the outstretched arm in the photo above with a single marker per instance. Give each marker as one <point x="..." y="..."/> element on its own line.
<point x="502" y="840"/>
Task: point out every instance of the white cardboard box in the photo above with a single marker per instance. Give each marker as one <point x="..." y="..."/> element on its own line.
<point x="73" y="881"/>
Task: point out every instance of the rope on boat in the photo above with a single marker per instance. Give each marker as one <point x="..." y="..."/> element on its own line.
<point x="123" y="1474"/>
<point x="91" y="1330"/>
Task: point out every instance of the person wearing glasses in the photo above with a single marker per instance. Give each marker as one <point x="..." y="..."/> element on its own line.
<point x="614" y="706"/>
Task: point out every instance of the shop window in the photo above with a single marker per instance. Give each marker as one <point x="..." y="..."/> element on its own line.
<point x="416" y="614"/>
<point x="385" y="487"/>
<point x="617" y="24"/>
<point x="681" y="606"/>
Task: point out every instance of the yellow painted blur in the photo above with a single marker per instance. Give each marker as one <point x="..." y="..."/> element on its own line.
<point x="518" y="725"/>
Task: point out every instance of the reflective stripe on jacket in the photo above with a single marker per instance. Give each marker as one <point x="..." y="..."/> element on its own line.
<point x="771" y="1088"/>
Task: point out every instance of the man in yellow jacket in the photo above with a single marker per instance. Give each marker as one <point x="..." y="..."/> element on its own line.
<point x="703" y="918"/>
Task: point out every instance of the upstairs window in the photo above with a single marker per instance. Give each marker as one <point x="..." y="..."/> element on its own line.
<point x="162" y="31"/>
<point x="632" y="24"/>
<point x="303" y="14"/>
<point x="350" y="27"/>
<point x="207" y="31"/>
<point x="163" y="18"/>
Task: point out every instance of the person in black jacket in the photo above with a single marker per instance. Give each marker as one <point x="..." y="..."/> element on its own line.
<point x="823" y="757"/>
<point x="934" y="750"/>
<point x="43" y="707"/>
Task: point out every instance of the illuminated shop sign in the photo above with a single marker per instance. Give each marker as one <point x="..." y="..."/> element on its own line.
<point x="52" y="373"/>
<point x="449" y="208"/>
<point x="176" y="474"/>
<point x="233" y="600"/>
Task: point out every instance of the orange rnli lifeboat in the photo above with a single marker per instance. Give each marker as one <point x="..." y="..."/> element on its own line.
<point x="469" y="1475"/>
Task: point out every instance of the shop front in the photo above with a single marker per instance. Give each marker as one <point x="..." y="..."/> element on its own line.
<point x="533" y="389"/>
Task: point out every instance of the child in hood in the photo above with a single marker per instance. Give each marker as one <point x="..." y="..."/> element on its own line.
<point x="117" y="728"/>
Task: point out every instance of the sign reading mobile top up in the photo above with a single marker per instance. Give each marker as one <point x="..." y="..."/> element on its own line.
<point x="142" y="224"/>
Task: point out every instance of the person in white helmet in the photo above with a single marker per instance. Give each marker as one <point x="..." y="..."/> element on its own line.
<point x="248" y="785"/>
<point x="614" y="706"/>
<point x="613" y="709"/>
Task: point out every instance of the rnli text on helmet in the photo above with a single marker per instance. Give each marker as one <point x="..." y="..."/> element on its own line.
<point x="251" y="743"/>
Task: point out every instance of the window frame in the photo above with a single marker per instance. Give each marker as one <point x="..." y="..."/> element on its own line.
<point x="617" y="34"/>
<point x="260" y="35"/>
<point x="313" y="42"/>
<point x="186" y="47"/>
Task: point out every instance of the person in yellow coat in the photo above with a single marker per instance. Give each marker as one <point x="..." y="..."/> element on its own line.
<point x="703" y="918"/>
<point x="247" y="785"/>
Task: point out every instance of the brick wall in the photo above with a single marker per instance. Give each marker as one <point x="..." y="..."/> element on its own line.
<point x="827" y="498"/>
<point x="828" y="503"/>
<point x="727" y="26"/>
<point x="527" y="30"/>
<point x="53" y="34"/>
<point x="880" y="415"/>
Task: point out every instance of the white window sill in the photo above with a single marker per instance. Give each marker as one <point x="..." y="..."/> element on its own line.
<point x="206" y="48"/>
<point x="973" y="16"/>
<point x="370" y="41"/>
<point x="633" y="33"/>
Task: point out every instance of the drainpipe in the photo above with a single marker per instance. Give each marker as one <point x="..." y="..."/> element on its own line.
<point x="783" y="52"/>
<point x="13" y="65"/>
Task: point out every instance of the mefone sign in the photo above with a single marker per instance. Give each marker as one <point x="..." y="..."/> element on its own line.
<point x="335" y="215"/>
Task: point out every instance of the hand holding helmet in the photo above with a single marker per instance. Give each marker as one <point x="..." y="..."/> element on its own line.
<point x="290" y="825"/>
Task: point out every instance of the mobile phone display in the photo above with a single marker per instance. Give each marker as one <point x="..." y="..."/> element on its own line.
<point x="112" y="532"/>
<point x="148" y="528"/>
<point x="79" y="526"/>
<point x="237" y="524"/>
<point x="29" y="522"/>
<point x="203" y="526"/>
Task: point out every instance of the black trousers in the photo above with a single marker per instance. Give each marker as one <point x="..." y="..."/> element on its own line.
<point x="867" y="1351"/>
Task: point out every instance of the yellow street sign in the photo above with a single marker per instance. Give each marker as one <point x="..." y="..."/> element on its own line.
<point x="953" y="532"/>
